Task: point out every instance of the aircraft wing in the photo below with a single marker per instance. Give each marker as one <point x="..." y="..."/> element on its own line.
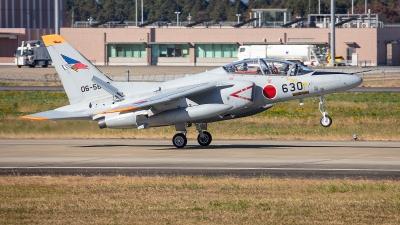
<point x="57" y="115"/>
<point x="163" y="96"/>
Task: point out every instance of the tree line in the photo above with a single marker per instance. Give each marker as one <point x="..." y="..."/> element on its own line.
<point x="215" y="10"/>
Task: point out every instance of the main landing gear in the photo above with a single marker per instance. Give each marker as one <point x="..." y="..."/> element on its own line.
<point x="204" y="138"/>
<point x="326" y="120"/>
<point x="179" y="140"/>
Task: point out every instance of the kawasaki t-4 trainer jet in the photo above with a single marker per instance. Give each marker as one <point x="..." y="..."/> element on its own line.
<point x="240" y="89"/>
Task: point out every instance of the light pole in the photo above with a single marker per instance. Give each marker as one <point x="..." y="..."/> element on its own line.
<point x="319" y="6"/>
<point x="332" y="47"/>
<point x="56" y="17"/>
<point x="189" y="18"/>
<point x="142" y="11"/>
<point x="177" y="18"/>
<point x="136" y="12"/>
<point x="238" y="16"/>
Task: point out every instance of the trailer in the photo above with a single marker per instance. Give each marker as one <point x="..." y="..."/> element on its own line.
<point x="304" y="54"/>
<point x="32" y="53"/>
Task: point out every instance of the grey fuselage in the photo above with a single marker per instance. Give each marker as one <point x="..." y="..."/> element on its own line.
<point x="246" y="94"/>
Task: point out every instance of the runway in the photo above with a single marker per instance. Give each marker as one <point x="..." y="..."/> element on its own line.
<point x="240" y="158"/>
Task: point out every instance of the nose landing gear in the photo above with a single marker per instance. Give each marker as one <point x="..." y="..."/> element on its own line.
<point x="326" y="120"/>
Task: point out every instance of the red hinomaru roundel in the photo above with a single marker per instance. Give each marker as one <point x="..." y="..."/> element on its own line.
<point x="269" y="91"/>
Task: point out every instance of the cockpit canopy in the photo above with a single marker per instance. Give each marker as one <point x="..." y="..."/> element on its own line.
<point x="267" y="67"/>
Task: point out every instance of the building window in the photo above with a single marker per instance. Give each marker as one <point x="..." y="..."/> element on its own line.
<point x="127" y="50"/>
<point x="170" y="50"/>
<point x="216" y="50"/>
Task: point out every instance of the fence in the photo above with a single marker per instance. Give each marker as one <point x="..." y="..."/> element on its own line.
<point x="160" y="24"/>
<point x="56" y="78"/>
<point x="31" y="78"/>
<point x="386" y="73"/>
<point x="364" y="63"/>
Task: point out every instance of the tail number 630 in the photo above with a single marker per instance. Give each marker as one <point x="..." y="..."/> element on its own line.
<point x="292" y="87"/>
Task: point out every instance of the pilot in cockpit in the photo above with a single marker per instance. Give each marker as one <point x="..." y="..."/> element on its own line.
<point x="284" y="68"/>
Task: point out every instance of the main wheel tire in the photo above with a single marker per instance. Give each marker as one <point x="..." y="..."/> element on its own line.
<point x="32" y="65"/>
<point x="179" y="140"/>
<point x="205" y="140"/>
<point x="326" y="121"/>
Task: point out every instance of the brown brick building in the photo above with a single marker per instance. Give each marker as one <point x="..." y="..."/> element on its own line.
<point x="217" y="46"/>
<point x="177" y="45"/>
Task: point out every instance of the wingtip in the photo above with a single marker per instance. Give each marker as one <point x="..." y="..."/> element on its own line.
<point x="33" y="118"/>
<point x="53" y="39"/>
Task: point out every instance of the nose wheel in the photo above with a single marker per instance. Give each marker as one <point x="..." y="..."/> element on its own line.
<point x="326" y="120"/>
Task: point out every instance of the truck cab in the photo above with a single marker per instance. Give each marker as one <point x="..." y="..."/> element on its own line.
<point x="32" y="53"/>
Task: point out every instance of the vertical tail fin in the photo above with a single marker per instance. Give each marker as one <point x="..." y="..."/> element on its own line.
<point x="74" y="70"/>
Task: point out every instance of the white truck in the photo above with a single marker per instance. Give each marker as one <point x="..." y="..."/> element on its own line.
<point x="32" y="53"/>
<point x="305" y="54"/>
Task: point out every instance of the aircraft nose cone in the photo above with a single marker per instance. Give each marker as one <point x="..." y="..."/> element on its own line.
<point x="356" y="80"/>
<point x="352" y="81"/>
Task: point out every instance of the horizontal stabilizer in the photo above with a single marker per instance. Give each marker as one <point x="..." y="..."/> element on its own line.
<point x="57" y="115"/>
<point x="108" y="87"/>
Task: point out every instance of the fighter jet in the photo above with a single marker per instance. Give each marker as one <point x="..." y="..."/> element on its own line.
<point x="239" y="89"/>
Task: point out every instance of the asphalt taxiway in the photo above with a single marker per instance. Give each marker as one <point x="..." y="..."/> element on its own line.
<point x="241" y="158"/>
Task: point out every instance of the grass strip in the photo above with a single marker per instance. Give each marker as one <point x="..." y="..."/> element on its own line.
<point x="372" y="116"/>
<point x="196" y="200"/>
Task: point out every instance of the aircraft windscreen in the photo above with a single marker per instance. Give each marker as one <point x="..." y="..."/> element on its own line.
<point x="266" y="67"/>
<point x="303" y="69"/>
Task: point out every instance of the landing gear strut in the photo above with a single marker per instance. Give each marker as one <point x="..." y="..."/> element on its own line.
<point x="326" y="120"/>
